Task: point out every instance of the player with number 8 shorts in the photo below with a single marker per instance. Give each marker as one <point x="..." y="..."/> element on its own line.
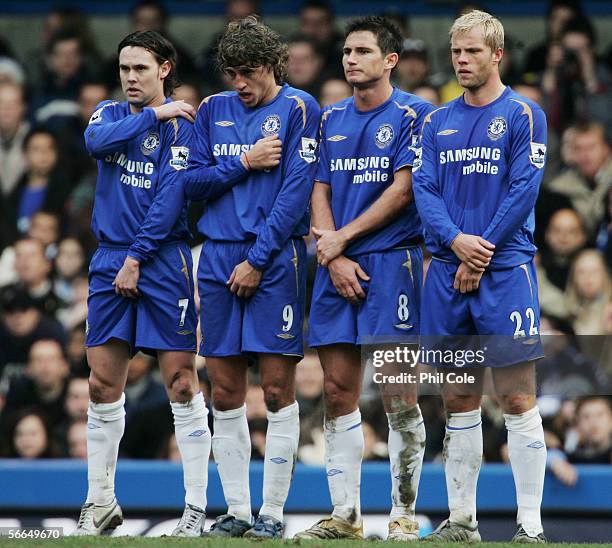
<point x="476" y="182"/>
<point x="253" y="162"/>
<point x="368" y="283"/>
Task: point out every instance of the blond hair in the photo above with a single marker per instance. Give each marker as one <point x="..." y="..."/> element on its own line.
<point x="492" y="28"/>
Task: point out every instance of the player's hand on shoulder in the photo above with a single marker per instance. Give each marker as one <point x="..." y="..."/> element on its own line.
<point x="265" y="154"/>
<point x="467" y="279"/>
<point x="175" y="109"/>
<point x="473" y="250"/>
<point x="244" y="279"/>
<point x="126" y="281"/>
<point x="330" y="244"/>
<point x="345" y="275"/>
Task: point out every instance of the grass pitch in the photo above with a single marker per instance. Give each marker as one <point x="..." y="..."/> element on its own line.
<point x="156" y="542"/>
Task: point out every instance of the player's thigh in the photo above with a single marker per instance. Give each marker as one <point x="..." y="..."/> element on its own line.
<point x="221" y="312"/>
<point x="391" y="310"/>
<point x="109" y="366"/>
<point x="515" y="386"/>
<point x="167" y="318"/>
<point x="109" y="315"/>
<point x="277" y="375"/>
<point x="228" y="379"/>
<point x="507" y="316"/>
<point x="332" y="319"/>
<point x="274" y="315"/>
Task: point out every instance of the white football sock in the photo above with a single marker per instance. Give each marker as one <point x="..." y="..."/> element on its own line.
<point x="281" y="450"/>
<point x="193" y="440"/>
<point x="343" y="456"/>
<point x="406" y="450"/>
<point x="462" y="460"/>
<point x="231" y="445"/>
<point x="105" y="426"/>
<point x="527" y="452"/>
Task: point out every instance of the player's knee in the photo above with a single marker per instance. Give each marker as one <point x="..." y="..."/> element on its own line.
<point x="101" y="391"/>
<point x="274" y="397"/>
<point x="181" y="388"/>
<point x="225" y="398"/>
<point x="338" y="398"/>
<point x="460" y="404"/>
<point x="517" y="403"/>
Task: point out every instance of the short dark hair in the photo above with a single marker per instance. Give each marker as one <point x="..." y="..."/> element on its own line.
<point x="580" y="24"/>
<point x="250" y="43"/>
<point x="64" y="34"/>
<point x="161" y="10"/>
<point x="593" y="398"/>
<point x="161" y="48"/>
<point x="320" y="5"/>
<point x="39" y="130"/>
<point x="388" y="35"/>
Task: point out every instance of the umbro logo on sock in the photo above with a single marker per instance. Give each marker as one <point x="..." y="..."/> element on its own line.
<point x="334" y="472"/>
<point x="279" y="460"/>
<point x="197" y="433"/>
<point x="536" y="445"/>
<point x="92" y="426"/>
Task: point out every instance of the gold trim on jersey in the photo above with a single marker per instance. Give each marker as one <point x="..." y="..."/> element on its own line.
<point x="529" y="113"/>
<point x="408" y="265"/>
<point x="185" y="268"/>
<point x="295" y="261"/>
<point x="428" y="119"/>
<point x="409" y="110"/>
<point x="206" y="99"/>
<point x="526" y="271"/>
<point x="301" y="105"/>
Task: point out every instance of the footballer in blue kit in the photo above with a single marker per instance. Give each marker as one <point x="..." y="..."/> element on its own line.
<point x="476" y="181"/>
<point x="367" y="286"/>
<point x="140" y="282"/>
<point x="253" y="160"/>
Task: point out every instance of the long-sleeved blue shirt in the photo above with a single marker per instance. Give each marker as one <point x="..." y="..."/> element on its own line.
<point x="269" y="206"/>
<point x="139" y="200"/>
<point x="478" y="172"/>
<point x="359" y="154"/>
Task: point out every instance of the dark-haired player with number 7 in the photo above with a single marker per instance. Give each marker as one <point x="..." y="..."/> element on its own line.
<point x="140" y="284"/>
<point x="476" y="183"/>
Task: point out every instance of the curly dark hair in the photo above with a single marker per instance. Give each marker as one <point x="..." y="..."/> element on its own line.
<point x="250" y="43"/>
<point x="161" y="48"/>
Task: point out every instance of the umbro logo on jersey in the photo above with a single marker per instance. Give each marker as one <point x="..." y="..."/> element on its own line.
<point x="184" y="332"/>
<point x="285" y="336"/>
<point x="224" y="123"/>
<point x="448" y="131"/>
<point x="336" y="138"/>
<point x="403" y="326"/>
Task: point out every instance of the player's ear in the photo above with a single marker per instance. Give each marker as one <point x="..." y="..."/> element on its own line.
<point x="497" y="55"/>
<point x="391" y="59"/>
<point x="164" y="69"/>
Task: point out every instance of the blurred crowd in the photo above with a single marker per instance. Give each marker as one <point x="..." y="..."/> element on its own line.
<point x="47" y="184"/>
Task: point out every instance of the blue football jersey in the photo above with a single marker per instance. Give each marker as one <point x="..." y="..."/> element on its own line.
<point x="479" y="171"/>
<point x="139" y="199"/>
<point x="359" y="154"/>
<point x="268" y="206"/>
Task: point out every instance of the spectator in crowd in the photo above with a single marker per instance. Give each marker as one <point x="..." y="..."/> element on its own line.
<point x="42" y="385"/>
<point x="429" y="93"/>
<point x="188" y="92"/>
<point x="69" y="263"/>
<point x="316" y="22"/>
<point x="333" y="91"/>
<point x="309" y="385"/>
<point x="74" y="313"/>
<point x="21" y="325"/>
<point x="13" y="130"/>
<point x="33" y="274"/>
<point x="77" y="398"/>
<point x="586" y="184"/>
<point x="76" y="440"/>
<point x="373" y="447"/>
<point x="559" y="13"/>
<point x="40" y="187"/>
<point x="55" y="97"/>
<point x="75" y="351"/>
<point x="28" y="436"/>
<point x="207" y="60"/>
<point x="45" y="228"/>
<point x="304" y="66"/>
<point x="576" y="85"/>
<point x="594" y="426"/>
<point x="413" y="67"/>
<point x="565" y="237"/>
<point x="256" y="406"/>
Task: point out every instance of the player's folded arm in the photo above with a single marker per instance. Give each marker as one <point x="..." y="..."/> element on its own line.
<point x="104" y="134"/>
<point x="292" y="200"/>
<point x="207" y="179"/>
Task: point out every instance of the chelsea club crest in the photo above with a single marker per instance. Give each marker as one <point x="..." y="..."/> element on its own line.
<point x="384" y="135"/>
<point x="497" y="127"/>
<point x="271" y="125"/>
<point x="149" y="143"/>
